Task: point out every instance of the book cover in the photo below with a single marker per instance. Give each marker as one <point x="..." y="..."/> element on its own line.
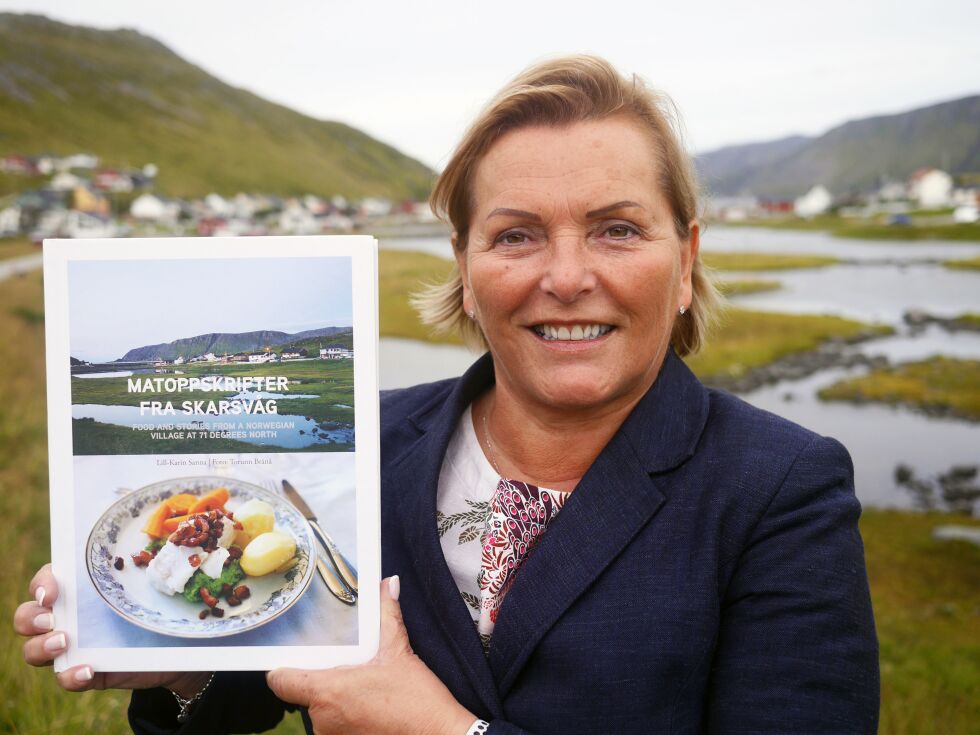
<point x="213" y="440"/>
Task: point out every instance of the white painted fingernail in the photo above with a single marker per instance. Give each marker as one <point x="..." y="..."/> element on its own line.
<point x="55" y="643"/>
<point x="84" y="674"/>
<point x="394" y="587"/>
<point x="44" y="621"/>
<point x="39" y="595"/>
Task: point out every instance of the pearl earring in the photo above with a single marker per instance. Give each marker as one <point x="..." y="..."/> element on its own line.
<point x="682" y="310"/>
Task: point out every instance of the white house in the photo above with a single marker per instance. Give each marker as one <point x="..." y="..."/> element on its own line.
<point x="66" y="181"/>
<point x="335" y="352"/>
<point x="295" y="219"/>
<point x="179" y="361"/>
<point x="375" y="207"/>
<point x="262" y="357"/>
<point x="86" y="224"/>
<point x="814" y="202"/>
<point x="79" y="160"/>
<point x="290" y="355"/>
<point x="9" y="220"/>
<point x="931" y="188"/>
<point x="218" y="205"/>
<point x="152" y="208"/>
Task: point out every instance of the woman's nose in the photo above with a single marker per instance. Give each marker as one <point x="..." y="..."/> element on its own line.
<point x="568" y="272"/>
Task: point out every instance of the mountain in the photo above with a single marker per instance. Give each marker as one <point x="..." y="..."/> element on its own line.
<point x="851" y="157"/>
<point x="130" y="100"/>
<point x="221" y="343"/>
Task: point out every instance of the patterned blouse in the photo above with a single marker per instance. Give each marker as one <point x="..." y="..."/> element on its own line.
<point x="487" y="525"/>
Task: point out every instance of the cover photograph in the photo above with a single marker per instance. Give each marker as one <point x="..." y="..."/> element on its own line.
<point x="213" y="439"/>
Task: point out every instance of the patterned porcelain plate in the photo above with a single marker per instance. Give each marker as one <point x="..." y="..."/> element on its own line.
<point x="128" y="592"/>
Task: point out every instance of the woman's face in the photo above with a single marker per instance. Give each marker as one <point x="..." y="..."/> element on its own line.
<point x="573" y="267"/>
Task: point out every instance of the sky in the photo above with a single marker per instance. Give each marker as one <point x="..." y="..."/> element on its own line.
<point x="414" y="74"/>
<point x="116" y="306"/>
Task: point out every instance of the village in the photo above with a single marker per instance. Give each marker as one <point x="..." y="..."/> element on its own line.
<point x="76" y="196"/>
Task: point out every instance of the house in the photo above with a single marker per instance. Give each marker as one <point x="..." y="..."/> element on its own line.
<point x="85" y="224"/>
<point x="262" y="357"/>
<point x="218" y="206"/>
<point x="292" y="354"/>
<point x="112" y="180"/>
<point x="10" y="220"/>
<point x="85" y="199"/>
<point x="814" y="202"/>
<point x="66" y="181"/>
<point x="179" y="361"/>
<point x="335" y="352"/>
<point x="79" y="160"/>
<point x="375" y="207"/>
<point x="17" y="164"/>
<point x="931" y="188"/>
<point x="151" y="208"/>
<point x="295" y="219"/>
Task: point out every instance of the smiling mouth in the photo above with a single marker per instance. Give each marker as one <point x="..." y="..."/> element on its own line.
<point x="573" y="333"/>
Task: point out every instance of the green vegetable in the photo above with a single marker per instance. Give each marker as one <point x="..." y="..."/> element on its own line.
<point x="156" y="544"/>
<point x="231" y="574"/>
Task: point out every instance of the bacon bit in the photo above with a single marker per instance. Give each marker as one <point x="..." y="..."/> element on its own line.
<point x="118" y="563"/>
<point x="142" y="558"/>
<point x="242" y="592"/>
<point x="230" y="514"/>
<point x="233" y="601"/>
<point x="204" y="613"/>
<point x="239" y="526"/>
<point x="194" y="560"/>
<point x="208" y="599"/>
<point x="217" y="612"/>
<point x="225" y="590"/>
<point x="234" y="553"/>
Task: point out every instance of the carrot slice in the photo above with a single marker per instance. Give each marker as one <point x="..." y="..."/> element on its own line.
<point x="154" y="524"/>
<point x="170" y="525"/>
<point x="181" y="504"/>
<point x="214" y="500"/>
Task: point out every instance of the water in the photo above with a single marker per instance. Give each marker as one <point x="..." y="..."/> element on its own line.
<point x="115" y="374"/>
<point x="290" y="431"/>
<point x="881" y="281"/>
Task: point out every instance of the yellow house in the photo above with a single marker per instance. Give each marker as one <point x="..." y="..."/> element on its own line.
<point x="86" y="200"/>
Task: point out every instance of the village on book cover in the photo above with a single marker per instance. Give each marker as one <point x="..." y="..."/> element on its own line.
<point x="213" y="440"/>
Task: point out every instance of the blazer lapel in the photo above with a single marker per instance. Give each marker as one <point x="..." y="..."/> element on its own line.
<point x="414" y="483"/>
<point x="613" y="501"/>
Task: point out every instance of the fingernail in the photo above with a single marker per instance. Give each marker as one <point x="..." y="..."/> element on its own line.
<point x="55" y="643"/>
<point x="44" y="621"/>
<point x="394" y="587"/>
<point x="39" y="595"/>
<point x="84" y="674"/>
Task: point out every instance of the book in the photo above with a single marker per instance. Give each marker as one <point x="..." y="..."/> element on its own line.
<point x="206" y="397"/>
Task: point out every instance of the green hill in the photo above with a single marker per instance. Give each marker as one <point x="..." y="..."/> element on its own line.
<point x="853" y="156"/>
<point x="130" y="100"/>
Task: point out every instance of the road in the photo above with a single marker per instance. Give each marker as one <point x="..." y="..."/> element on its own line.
<point x="16" y="266"/>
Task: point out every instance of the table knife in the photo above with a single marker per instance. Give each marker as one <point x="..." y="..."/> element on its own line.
<point x="344" y="569"/>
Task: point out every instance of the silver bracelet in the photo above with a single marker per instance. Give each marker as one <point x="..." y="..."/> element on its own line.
<point x="185" y="704"/>
<point x="478" y="727"/>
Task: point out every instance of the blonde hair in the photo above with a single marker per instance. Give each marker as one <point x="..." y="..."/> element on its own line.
<point x="559" y="92"/>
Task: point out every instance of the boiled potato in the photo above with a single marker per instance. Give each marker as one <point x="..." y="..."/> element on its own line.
<point x="257" y="517"/>
<point x="267" y="552"/>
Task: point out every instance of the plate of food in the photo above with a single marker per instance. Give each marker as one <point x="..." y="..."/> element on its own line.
<point x="201" y="557"/>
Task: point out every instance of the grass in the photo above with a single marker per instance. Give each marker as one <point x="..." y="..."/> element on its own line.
<point x="401" y="273"/>
<point x="870" y="230"/>
<point x="926" y="593"/>
<point x="744" y="286"/>
<point x="968" y="321"/>
<point x="926" y="597"/>
<point x="748" y="339"/>
<point x="764" y="261"/>
<point x="970" y="264"/>
<point x="939" y="384"/>
<point x="16" y="247"/>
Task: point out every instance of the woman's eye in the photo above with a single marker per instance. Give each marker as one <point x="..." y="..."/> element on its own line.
<point x="512" y="238"/>
<point x="620" y="232"/>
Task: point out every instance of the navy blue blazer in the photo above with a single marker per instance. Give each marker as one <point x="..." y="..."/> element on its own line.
<point x="706" y="576"/>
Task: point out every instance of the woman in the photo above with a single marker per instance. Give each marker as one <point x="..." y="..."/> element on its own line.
<point x="652" y="556"/>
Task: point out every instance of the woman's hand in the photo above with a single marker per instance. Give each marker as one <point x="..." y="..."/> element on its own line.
<point x="36" y="620"/>
<point x="393" y="693"/>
